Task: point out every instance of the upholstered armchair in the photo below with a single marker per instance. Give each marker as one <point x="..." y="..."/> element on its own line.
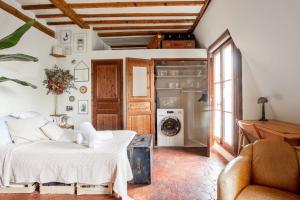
<point x="264" y="170"/>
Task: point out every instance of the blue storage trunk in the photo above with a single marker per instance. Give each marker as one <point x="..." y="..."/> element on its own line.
<point x="140" y="157"/>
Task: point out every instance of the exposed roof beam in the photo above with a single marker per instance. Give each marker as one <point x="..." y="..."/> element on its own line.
<point x="69" y="12"/>
<point x="120" y="15"/>
<point x="201" y="13"/>
<point x="135" y="33"/>
<point x="139" y="27"/>
<point x="155" y="21"/>
<point x="116" y="4"/>
<point x="15" y="12"/>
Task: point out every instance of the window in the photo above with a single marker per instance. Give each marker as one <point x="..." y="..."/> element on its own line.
<point x="226" y="94"/>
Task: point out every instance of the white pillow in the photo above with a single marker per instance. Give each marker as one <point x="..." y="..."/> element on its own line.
<point x="96" y="138"/>
<point x="52" y="131"/>
<point x="27" y="130"/>
<point x="24" y="115"/>
<point x="4" y="132"/>
<point x="86" y="129"/>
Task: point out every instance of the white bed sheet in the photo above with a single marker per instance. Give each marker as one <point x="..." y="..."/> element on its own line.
<point x="67" y="162"/>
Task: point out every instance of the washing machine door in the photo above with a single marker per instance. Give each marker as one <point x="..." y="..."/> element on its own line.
<point x="170" y="126"/>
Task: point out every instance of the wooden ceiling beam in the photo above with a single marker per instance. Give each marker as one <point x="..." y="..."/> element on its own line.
<point x="139" y="27"/>
<point x="136" y="33"/>
<point x="117" y="4"/>
<point x="50" y="16"/>
<point x="201" y="13"/>
<point x="155" y="21"/>
<point x="69" y="12"/>
<point x="15" y="12"/>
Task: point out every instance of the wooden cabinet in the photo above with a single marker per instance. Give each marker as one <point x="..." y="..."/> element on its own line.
<point x="140" y="95"/>
<point x="178" y="44"/>
<point x="107" y="90"/>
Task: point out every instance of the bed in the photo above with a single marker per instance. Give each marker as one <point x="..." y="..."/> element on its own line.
<point x="67" y="162"/>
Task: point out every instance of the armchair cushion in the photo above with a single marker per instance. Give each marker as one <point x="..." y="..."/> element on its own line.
<point x="275" y="164"/>
<point x="235" y="177"/>
<point x="256" y="192"/>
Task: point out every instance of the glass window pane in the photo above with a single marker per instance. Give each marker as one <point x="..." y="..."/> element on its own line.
<point x="217" y="124"/>
<point x="228" y="123"/>
<point x="227" y="65"/>
<point x="227" y="96"/>
<point x="217" y="96"/>
<point x="217" y="67"/>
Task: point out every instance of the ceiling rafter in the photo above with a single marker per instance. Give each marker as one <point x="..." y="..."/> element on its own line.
<point x="50" y="16"/>
<point x="117" y="4"/>
<point x="201" y="13"/>
<point x="69" y="12"/>
<point x="150" y="21"/>
<point x="15" y="12"/>
<point x="136" y="33"/>
<point x="139" y="27"/>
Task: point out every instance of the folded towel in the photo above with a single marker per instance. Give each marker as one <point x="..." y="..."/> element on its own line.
<point x="96" y="138"/>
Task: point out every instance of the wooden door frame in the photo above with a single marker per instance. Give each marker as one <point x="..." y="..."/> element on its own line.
<point x="119" y="62"/>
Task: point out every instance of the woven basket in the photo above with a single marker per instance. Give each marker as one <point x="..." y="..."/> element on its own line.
<point x="52" y="188"/>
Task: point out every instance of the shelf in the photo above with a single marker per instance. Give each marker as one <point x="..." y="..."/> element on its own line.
<point x="57" y="55"/>
<point x="183" y="90"/>
<point x="180" y="67"/>
<point x="169" y="88"/>
<point x="180" y="76"/>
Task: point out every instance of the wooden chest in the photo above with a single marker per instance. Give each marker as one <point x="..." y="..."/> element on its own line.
<point x="140" y="157"/>
<point x="178" y="44"/>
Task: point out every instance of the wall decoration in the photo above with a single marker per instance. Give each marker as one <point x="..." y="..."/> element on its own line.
<point x="81" y="72"/>
<point x="82" y="107"/>
<point x="80" y="40"/>
<point x="71" y="98"/>
<point x="83" y="89"/>
<point x="58" y="81"/>
<point x="66" y="37"/>
<point x="67" y="50"/>
<point x="69" y="108"/>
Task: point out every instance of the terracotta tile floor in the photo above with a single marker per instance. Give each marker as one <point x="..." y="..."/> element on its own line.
<point x="178" y="174"/>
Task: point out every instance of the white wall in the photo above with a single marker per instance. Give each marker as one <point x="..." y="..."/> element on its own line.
<point x="267" y="33"/>
<point x="14" y="97"/>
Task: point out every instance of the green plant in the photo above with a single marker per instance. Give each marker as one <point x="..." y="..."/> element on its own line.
<point x="10" y="41"/>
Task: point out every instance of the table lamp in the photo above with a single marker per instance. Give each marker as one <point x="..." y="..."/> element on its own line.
<point x="263" y="100"/>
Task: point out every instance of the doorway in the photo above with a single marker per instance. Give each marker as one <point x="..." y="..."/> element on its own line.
<point x="107" y="94"/>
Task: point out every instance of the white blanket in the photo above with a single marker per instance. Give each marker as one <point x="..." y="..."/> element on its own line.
<point x="67" y="162"/>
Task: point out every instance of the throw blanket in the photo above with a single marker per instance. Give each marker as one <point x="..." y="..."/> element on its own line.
<point x="67" y="162"/>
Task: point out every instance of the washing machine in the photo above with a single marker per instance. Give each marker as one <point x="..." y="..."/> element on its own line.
<point x="170" y="127"/>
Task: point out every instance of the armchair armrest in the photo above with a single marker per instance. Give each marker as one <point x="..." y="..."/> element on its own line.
<point x="234" y="178"/>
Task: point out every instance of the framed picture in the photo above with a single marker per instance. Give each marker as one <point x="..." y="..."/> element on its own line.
<point x="65" y="37"/>
<point x="83" y="107"/>
<point x="80" y="40"/>
<point x="81" y="72"/>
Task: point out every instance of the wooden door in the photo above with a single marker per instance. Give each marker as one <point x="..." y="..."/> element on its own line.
<point x="107" y="93"/>
<point x="140" y="95"/>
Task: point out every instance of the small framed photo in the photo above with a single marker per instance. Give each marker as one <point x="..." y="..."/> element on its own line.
<point x="69" y="108"/>
<point x="83" y="107"/>
<point x="80" y="43"/>
<point x="81" y="72"/>
<point x="65" y="37"/>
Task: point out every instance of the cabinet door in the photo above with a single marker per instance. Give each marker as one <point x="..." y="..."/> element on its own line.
<point x="107" y="94"/>
<point x="140" y="95"/>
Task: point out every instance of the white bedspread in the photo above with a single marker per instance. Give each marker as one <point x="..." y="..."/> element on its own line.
<point x="67" y="162"/>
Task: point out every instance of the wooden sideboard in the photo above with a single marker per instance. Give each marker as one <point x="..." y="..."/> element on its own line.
<point x="274" y="129"/>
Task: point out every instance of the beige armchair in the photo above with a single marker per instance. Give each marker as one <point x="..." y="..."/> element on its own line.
<point x="265" y="170"/>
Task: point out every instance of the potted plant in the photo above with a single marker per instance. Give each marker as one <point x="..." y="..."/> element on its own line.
<point x="58" y="81"/>
<point x="10" y="41"/>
